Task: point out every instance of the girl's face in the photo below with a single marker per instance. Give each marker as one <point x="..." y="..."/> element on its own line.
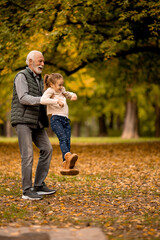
<point x="58" y="85"/>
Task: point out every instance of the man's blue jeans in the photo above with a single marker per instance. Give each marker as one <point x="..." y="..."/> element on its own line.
<point x="61" y="127"/>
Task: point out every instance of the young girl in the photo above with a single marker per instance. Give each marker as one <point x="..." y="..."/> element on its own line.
<point x="55" y="99"/>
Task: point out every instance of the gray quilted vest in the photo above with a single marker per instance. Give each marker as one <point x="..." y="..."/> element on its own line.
<point x="27" y="114"/>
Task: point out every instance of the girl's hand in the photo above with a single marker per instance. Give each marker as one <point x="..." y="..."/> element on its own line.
<point x="74" y="97"/>
<point x="61" y="104"/>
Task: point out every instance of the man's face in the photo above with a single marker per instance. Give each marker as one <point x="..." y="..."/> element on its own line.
<point x="37" y="64"/>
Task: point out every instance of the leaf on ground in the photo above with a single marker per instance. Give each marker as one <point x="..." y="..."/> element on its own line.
<point x="118" y="189"/>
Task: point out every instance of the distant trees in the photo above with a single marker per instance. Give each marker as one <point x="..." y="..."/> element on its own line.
<point x="79" y="36"/>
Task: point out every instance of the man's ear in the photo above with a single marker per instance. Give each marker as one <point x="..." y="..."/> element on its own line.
<point x="30" y="61"/>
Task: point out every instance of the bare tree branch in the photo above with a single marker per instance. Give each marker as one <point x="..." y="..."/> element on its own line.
<point x="16" y="5"/>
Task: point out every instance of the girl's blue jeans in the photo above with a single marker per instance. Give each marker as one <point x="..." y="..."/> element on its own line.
<point x="61" y="127"/>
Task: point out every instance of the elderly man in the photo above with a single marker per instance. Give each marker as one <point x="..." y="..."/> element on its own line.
<point x="29" y="118"/>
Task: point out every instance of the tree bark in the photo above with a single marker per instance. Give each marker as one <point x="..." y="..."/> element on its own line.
<point x="130" y="129"/>
<point x="111" y="120"/>
<point x="157" y="123"/>
<point x="8" y="128"/>
<point x="102" y="125"/>
<point x="2" y="130"/>
<point x="76" y="129"/>
<point x="118" y="122"/>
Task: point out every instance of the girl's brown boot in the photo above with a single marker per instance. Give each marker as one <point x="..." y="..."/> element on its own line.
<point x="69" y="164"/>
<point x="67" y="171"/>
<point x="70" y="159"/>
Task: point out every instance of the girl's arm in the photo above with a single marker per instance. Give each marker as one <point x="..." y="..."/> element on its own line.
<point x="70" y="95"/>
<point x="47" y="100"/>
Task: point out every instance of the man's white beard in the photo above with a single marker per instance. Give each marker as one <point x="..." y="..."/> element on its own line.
<point x="38" y="69"/>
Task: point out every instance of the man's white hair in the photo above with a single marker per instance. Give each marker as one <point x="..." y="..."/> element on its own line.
<point x="31" y="56"/>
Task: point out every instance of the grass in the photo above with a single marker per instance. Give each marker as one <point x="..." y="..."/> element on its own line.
<point x="90" y="140"/>
<point x="101" y="140"/>
<point x="13" y="212"/>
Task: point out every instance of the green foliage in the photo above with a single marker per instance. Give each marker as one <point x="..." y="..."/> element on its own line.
<point x="105" y="47"/>
<point x="92" y="30"/>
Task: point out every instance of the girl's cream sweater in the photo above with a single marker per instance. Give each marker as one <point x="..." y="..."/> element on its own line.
<point x="50" y="98"/>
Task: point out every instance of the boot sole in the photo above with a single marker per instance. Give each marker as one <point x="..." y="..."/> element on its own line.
<point x="71" y="172"/>
<point x="73" y="161"/>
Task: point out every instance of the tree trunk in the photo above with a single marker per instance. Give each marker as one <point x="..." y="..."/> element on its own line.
<point x="157" y="123"/>
<point x="130" y="129"/>
<point x="118" y="122"/>
<point x="2" y="130"/>
<point x="111" y="121"/>
<point x="8" y="128"/>
<point x="102" y="125"/>
<point x="76" y="129"/>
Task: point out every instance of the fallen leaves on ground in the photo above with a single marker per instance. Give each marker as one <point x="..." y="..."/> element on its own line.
<point x="118" y="189"/>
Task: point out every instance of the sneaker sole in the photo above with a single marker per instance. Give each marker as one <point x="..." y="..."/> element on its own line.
<point x="45" y="193"/>
<point x="29" y="198"/>
<point x="73" y="161"/>
<point x="70" y="172"/>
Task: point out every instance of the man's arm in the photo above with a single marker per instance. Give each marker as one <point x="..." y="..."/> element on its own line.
<point x="23" y="93"/>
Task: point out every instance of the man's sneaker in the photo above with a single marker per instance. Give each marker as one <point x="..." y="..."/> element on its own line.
<point x="44" y="190"/>
<point x="31" y="195"/>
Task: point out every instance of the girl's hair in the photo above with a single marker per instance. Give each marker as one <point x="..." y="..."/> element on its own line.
<point x="51" y="78"/>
